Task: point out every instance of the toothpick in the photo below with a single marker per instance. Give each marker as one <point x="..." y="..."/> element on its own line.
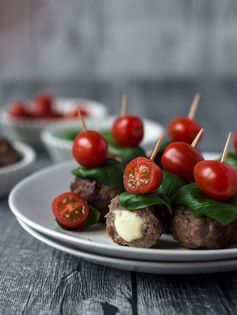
<point x="225" y="152"/>
<point x="157" y="147"/>
<point x="81" y="120"/>
<point x="194" y="106"/>
<point x="197" y="138"/>
<point x="124" y="106"/>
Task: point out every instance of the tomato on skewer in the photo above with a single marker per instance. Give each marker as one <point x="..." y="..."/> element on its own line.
<point x="70" y="210"/>
<point x="217" y="180"/>
<point x="90" y="148"/>
<point x="142" y="176"/>
<point x="128" y="131"/>
<point x="180" y="158"/>
<point x="183" y="129"/>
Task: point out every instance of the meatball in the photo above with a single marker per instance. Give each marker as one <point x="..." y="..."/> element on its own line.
<point x="201" y="232"/>
<point x="96" y="194"/>
<point x="140" y="228"/>
<point x="166" y="220"/>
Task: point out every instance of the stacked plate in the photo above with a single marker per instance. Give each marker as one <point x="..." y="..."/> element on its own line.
<point x="31" y="199"/>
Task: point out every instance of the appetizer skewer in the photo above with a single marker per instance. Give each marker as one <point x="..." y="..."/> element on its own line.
<point x="140" y="227"/>
<point x="200" y="220"/>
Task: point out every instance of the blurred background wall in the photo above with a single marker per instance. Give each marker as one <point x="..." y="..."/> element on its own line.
<point x="117" y="40"/>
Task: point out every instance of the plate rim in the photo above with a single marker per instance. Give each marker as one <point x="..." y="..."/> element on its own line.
<point x="173" y="267"/>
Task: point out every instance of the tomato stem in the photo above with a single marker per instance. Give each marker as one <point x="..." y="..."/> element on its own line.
<point x="194" y="106"/>
<point x="225" y="151"/>
<point x="157" y="147"/>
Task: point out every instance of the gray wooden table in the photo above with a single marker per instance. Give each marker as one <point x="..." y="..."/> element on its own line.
<point x="36" y="279"/>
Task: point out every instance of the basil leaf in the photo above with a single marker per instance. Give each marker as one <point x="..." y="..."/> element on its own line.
<point x="224" y="212"/>
<point x="170" y="185"/>
<point x="93" y="218"/>
<point x="109" y="174"/>
<point x="231" y="159"/>
<point x="136" y="202"/>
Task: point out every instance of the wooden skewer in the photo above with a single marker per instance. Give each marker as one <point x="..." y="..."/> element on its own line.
<point x="124" y="106"/>
<point x="225" y="152"/>
<point x="81" y="120"/>
<point x="194" y="106"/>
<point x="157" y="147"/>
<point x="197" y="138"/>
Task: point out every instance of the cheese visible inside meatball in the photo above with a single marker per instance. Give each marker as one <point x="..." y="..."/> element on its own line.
<point x="128" y="224"/>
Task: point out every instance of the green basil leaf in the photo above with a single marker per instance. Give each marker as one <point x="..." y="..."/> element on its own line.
<point x="109" y="174"/>
<point x="136" y="202"/>
<point x="93" y="218"/>
<point x="231" y="159"/>
<point x="224" y="212"/>
<point x="170" y="185"/>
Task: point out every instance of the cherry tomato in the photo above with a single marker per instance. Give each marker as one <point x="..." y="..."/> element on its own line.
<point x="235" y="141"/>
<point x="90" y="148"/>
<point x="183" y="129"/>
<point x="142" y="176"/>
<point x="180" y="158"/>
<point x="43" y="105"/>
<point x="128" y="131"/>
<point x="18" y="110"/>
<point x="215" y="179"/>
<point x="70" y="210"/>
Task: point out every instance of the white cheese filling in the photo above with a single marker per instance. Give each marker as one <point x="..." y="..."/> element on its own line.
<point x="128" y="224"/>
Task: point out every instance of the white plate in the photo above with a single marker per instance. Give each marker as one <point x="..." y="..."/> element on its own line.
<point x="161" y="267"/>
<point x="61" y="149"/>
<point x="31" y="201"/>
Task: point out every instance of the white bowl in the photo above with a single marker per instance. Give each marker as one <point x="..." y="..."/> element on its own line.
<point x="29" y="131"/>
<point x="61" y="150"/>
<point x="10" y="175"/>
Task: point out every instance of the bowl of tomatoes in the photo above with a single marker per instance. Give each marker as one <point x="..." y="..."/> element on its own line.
<point x="24" y="121"/>
<point x="58" y="139"/>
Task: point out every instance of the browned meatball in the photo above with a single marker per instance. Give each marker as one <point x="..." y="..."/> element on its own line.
<point x="151" y="226"/>
<point x="193" y="232"/>
<point x="96" y="194"/>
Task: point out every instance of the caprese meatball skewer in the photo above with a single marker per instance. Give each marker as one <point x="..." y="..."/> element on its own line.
<point x="138" y="227"/>
<point x="206" y="212"/>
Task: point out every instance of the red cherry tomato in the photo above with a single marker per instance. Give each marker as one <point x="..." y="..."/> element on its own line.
<point x="43" y="105"/>
<point x="183" y="129"/>
<point x="142" y="176"/>
<point x="18" y="110"/>
<point x="235" y="141"/>
<point x="128" y="131"/>
<point x="217" y="180"/>
<point x="70" y="210"/>
<point x="90" y="148"/>
<point x="180" y="158"/>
